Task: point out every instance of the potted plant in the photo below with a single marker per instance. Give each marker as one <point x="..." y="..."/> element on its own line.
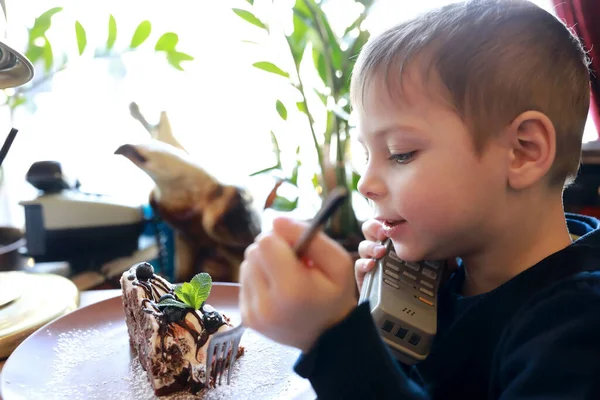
<point x="42" y="53"/>
<point x="325" y="104"/>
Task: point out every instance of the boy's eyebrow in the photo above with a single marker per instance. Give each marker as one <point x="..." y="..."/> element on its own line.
<point x="392" y="128"/>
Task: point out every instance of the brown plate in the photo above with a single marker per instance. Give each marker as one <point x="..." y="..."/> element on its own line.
<point x="86" y="355"/>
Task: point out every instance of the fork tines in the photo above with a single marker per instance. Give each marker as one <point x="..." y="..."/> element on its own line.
<point x="223" y="347"/>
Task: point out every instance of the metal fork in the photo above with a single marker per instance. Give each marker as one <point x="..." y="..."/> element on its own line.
<point x="222" y="342"/>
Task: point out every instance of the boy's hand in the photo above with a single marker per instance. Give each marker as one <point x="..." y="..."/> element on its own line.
<point x="368" y="250"/>
<point x="291" y="301"/>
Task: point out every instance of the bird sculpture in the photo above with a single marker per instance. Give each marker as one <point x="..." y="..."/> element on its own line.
<point x="213" y="222"/>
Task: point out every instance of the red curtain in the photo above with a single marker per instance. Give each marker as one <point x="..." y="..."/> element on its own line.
<point x="583" y="16"/>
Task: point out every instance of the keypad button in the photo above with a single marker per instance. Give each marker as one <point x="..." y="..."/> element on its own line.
<point x="409" y="275"/>
<point x="401" y="334"/>
<point x="429" y="273"/>
<point x="414" y="339"/>
<point x="414" y="266"/>
<point x="393" y="266"/>
<point x="426" y="284"/>
<point x="387" y="326"/>
<point x="407" y="283"/>
<point x="392" y="284"/>
<point x="433" y="264"/>
<point x="426" y="291"/>
<point x="426" y="301"/>
<point x="394" y="256"/>
<point x="392" y="274"/>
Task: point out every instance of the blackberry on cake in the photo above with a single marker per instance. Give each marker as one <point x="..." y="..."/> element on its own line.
<point x="169" y="327"/>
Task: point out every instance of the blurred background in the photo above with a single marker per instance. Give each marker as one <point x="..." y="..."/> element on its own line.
<point x="220" y="107"/>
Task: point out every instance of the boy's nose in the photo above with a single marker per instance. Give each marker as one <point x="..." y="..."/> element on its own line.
<point x="370" y="185"/>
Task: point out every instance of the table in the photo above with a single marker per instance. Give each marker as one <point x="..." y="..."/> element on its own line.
<point x="86" y="298"/>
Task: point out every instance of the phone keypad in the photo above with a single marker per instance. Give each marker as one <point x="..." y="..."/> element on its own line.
<point x="426" y="284"/>
<point x="409" y="275"/>
<point x="391" y="283"/>
<point x="429" y="273"/>
<point x="420" y="277"/>
<point x="392" y="274"/>
<point x="393" y="267"/>
<point x="414" y="266"/>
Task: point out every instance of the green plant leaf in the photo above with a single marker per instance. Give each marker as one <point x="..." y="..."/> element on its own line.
<point x="112" y="32"/>
<point x="42" y="24"/>
<point x="321" y="96"/>
<point x="167" y="42"/>
<point x="282" y="204"/>
<point x="202" y="283"/>
<point x="281" y="110"/>
<point x="355" y="179"/>
<point x="16" y="101"/>
<point x="141" y="34"/>
<point x="81" y="37"/>
<point x="350" y="56"/>
<point x="297" y="40"/>
<point x="249" y="17"/>
<point x="251" y="2"/>
<point x="320" y="65"/>
<point x="270" y="67"/>
<point x="301" y="107"/>
<point x="264" y="171"/>
<point x="294" y="178"/>
<point x="332" y="44"/>
<point x="173" y="303"/>
<point x="315" y="181"/>
<point x="302" y="8"/>
<point x="48" y="56"/>
<point x="34" y="53"/>
<point x="175" y="58"/>
<point x="276" y="149"/>
<point x="328" y="40"/>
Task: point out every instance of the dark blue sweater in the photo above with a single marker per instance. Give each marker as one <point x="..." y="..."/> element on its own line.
<point x="535" y="337"/>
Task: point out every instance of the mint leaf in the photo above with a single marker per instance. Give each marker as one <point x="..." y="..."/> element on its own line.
<point x="202" y="283"/>
<point x="195" y="292"/>
<point x="186" y="293"/>
<point x="172" y="303"/>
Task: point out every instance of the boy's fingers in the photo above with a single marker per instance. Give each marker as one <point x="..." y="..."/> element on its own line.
<point x="370" y="249"/>
<point x="322" y="250"/>
<point x="372" y="230"/>
<point x="362" y="266"/>
<point x="253" y="289"/>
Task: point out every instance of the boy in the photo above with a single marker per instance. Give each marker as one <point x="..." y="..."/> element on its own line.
<point x="472" y="118"/>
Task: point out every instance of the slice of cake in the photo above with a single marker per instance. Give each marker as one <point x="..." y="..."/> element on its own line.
<point x="169" y="327"/>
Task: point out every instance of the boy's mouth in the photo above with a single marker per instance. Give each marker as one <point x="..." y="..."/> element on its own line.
<point x="391" y="223"/>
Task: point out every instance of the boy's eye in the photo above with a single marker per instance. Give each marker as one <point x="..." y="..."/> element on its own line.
<point x="402" y="158"/>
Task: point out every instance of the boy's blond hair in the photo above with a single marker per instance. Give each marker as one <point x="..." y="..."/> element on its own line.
<point x="495" y="60"/>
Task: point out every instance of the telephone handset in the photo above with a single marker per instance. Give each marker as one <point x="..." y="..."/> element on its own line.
<point x="403" y="300"/>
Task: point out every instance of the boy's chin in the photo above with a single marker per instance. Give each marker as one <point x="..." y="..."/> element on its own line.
<point x="408" y="253"/>
<point x="413" y="253"/>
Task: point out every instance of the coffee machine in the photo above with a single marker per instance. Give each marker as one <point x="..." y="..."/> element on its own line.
<point x="64" y="223"/>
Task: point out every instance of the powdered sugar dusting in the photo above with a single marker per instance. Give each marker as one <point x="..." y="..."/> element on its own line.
<point x="99" y="364"/>
<point x="264" y="371"/>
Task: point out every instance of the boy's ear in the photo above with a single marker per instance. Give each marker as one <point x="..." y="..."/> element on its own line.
<point x="532" y="140"/>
